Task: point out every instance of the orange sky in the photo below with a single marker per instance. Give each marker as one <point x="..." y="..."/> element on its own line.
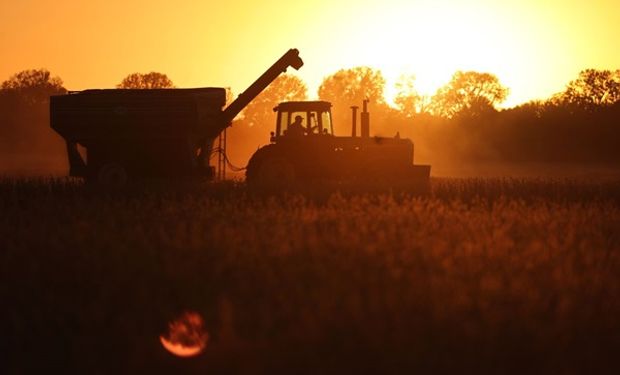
<point x="534" y="46"/>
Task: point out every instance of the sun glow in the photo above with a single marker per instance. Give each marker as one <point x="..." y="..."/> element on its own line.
<point x="433" y="40"/>
<point x="534" y="47"/>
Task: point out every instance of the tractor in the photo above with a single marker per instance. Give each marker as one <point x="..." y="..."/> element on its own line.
<point x="304" y="153"/>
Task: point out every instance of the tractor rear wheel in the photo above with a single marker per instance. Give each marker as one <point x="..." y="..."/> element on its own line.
<point x="271" y="173"/>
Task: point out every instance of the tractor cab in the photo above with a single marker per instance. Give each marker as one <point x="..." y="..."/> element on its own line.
<point x="299" y="119"/>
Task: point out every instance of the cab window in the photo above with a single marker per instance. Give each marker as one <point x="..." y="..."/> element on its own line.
<point x="283" y="121"/>
<point x="314" y="127"/>
<point x="326" y="123"/>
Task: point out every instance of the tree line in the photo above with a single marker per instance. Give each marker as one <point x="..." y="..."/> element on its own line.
<point x="461" y="121"/>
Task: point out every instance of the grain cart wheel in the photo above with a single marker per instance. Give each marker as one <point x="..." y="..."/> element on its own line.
<point x="112" y="175"/>
<point x="274" y="173"/>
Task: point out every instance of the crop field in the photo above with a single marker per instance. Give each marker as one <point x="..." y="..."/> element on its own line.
<point x="480" y="275"/>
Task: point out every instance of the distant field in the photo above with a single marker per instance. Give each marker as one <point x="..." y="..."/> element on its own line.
<point x="490" y="275"/>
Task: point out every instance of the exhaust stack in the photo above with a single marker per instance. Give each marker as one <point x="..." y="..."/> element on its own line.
<point x="354" y="124"/>
<point x="365" y="125"/>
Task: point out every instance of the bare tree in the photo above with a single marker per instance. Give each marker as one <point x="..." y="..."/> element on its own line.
<point x="152" y="80"/>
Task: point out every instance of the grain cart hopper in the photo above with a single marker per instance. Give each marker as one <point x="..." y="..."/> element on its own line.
<point x="140" y="133"/>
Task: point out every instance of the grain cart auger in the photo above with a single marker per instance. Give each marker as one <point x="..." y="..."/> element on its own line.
<point x="149" y="133"/>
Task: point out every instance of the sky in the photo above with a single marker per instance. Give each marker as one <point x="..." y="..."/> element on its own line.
<point x="534" y="47"/>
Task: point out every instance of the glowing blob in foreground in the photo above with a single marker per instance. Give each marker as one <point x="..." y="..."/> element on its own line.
<point x="186" y="336"/>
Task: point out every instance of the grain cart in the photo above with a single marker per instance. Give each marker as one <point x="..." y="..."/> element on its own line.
<point x="160" y="133"/>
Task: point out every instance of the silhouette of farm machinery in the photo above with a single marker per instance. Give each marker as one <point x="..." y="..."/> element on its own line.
<point x="305" y="152"/>
<point x="169" y="134"/>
